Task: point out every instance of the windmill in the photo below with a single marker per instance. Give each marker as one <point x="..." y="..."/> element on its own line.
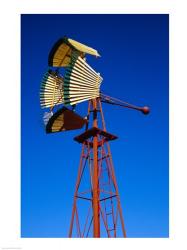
<point x="96" y="209"/>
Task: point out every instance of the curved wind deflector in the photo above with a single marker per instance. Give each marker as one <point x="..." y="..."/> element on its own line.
<point x="83" y="48"/>
<point x="63" y="120"/>
<point x="81" y="82"/>
<point x="61" y="53"/>
<point x="51" y="91"/>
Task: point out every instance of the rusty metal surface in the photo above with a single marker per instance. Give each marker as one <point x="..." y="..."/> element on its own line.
<point x="63" y="120"/>
<point x="92" y="132"/>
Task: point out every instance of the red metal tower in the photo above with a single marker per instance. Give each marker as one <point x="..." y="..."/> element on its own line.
<point x="102" y="213"/>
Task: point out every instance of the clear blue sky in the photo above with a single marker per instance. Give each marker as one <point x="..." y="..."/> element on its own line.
<point x="135" y="66"/>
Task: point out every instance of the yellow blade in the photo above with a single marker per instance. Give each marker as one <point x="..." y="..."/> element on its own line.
<point x="83" y="48"/>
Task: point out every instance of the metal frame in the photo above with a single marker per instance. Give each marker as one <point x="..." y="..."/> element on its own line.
<point x="103" y="211"/>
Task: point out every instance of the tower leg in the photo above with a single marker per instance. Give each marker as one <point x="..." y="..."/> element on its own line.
<point x="117" y="192"/>
<point x="80" y="171"/>
<point x="95" y="179"/>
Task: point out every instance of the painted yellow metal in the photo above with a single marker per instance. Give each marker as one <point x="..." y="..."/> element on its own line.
<point x="63" y="50"/>
<point x="83" y="48"/>
<point x="62" y="56"/>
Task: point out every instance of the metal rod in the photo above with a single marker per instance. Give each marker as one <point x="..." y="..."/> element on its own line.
<point x="117" y="192"/>
<point x="114" y="101"/>
<point x="86" y="221"/>
<point x="102" y="116"/>
<point x="105" y="223"/>
<point x="106" y="198"/>
<point x="82" y="197"/>
<point x="96" y="213"/>
<point x="109" y="98"/>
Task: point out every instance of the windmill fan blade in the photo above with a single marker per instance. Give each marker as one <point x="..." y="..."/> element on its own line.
<point x="81" y="82"/>
<point x="83" y="48"/>
<point x="63" y="120"/>
<point x="51" y="91"/>
<point x="61" y="53"/>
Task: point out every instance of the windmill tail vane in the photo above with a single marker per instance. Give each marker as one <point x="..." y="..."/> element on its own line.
<point x="81" y="83"/>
